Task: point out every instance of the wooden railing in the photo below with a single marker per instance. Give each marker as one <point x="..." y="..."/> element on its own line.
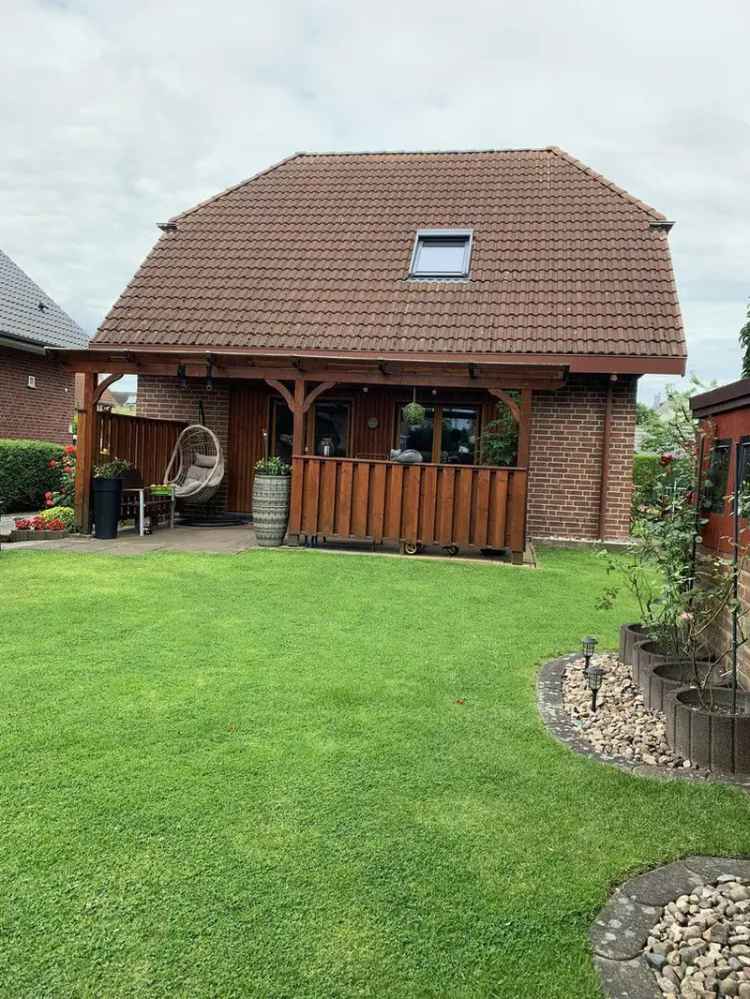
<point x="478" y="506"/>
<point x="145" y="442"/>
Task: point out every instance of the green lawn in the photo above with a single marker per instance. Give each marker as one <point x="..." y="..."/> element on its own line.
<point x="251" y="776"/>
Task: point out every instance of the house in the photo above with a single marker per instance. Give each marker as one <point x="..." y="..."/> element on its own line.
<point x="36" y="390"/>
<point x="303" y="308"/>
<point x="724" y="415"/>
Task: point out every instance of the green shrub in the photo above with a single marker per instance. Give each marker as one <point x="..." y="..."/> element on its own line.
<point x="646" y="469"/>
<point x="26" y="473"/>
<point x="64" y="513"/>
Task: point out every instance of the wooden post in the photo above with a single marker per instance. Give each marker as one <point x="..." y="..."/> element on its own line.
<point x="298" y="412"/>
<point x="85" y="393"/>
<point x="524" y="428"/>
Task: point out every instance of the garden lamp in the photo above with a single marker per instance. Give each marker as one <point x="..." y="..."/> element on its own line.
<point x="588" y="645"/>
<point x="594" y="677"/>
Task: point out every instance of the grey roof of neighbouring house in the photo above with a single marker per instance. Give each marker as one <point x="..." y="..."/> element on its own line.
<point x="31" y="316"/>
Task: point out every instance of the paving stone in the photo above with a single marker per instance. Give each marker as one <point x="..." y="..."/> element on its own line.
<point x="662" y="885"/>
<point x="712" y="868"/>
<point x="620" y="930"/>
<point x="627" y="979"/>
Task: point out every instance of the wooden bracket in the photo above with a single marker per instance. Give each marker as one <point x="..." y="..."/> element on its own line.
<point x="282" y="390"/>
<point x="104" y="385"/>
<point x="313" y="395"/>
<point x="509" y="401"/>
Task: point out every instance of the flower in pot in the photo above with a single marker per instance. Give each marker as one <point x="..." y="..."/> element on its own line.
<point x="271" y="501"/>
<point x="107" y="484"/>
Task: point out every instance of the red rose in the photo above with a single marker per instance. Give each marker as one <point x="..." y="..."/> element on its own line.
<point x="70" y="449"/>
<point x="666" y="459"/>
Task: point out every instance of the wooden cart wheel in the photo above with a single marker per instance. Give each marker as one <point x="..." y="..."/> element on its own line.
<point x="451" y="550"/>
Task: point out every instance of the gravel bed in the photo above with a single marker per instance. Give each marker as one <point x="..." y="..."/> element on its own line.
<point x="621" y="725"/>
<point x="701" y="945"/>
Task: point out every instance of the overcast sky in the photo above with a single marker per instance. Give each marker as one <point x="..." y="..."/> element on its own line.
<point x="114" y="116"/>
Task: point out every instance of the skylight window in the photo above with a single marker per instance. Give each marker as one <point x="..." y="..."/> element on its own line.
<point x="441" y="253"/>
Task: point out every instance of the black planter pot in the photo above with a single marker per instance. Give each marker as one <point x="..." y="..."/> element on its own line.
<point x="660" y="681"/>
<point x="712" y="739"/>
<point x="107" y="496"/>
<point x="629" y="635"/>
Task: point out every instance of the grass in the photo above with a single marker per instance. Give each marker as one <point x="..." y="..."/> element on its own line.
<point x="252" y="776"/>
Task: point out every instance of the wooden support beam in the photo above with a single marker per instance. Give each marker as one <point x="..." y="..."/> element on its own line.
<point x="282" y="390"/>
<point x="509" y="401"/>
<point x="524" y="428"/>
<point x="313" y="395"/>
<point x="298" y="412"/>
<point x="85" y="386"/>
<point x="103" y="385"/>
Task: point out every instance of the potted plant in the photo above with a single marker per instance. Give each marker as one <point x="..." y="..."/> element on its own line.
<point x="107" y="486"/>
<point x="271" y="501"/>
<point x="414" y="412"/>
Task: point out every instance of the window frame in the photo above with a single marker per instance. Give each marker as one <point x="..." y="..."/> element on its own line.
<point x="428" y="234"/>
<point x="712" y="502"/>
<point x="742" y="467"/>
<point x="437" y="428"/>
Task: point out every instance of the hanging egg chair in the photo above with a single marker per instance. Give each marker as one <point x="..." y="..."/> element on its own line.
<point x="196" y="467"/>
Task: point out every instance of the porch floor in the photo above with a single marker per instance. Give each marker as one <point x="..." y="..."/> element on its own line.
<point x="232" y="541"/>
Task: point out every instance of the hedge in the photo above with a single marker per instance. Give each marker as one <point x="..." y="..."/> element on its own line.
<point x="25" y="474"/>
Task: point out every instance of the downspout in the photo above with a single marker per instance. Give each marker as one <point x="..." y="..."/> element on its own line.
<point x="606" y="432"/>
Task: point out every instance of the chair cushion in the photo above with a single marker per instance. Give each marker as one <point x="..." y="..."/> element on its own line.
<point x="203" y="461"/>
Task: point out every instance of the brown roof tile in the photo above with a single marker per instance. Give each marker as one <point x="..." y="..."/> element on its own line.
<point x="313" y="254"/>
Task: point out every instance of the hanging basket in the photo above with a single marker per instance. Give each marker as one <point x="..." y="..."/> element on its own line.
<point x="414" y="414"/>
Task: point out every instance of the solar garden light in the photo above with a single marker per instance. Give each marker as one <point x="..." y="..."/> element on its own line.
<point x="594" y="677"/>
<point x="588" y="645"/>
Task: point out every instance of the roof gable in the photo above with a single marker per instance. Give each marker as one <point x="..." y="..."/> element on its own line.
<point x="313" y="255"/>
<point x="29" y="315"/>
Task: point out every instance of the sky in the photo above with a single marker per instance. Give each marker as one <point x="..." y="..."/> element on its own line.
<point x="117" y="116"/>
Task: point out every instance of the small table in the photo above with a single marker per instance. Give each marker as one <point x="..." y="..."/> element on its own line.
<point x="138" y="503"/>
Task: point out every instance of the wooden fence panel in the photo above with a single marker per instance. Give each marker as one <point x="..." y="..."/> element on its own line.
<point x="480" y="506"/>
<point x="145" y="442"/>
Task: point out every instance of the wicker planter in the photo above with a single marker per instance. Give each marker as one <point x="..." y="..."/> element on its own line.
<point x="660" y="681"/>
<point x="646" y="655"/>
<point x="270" y="508"/>
<point x="629" y="635"/>
<point x="711" y="739"/>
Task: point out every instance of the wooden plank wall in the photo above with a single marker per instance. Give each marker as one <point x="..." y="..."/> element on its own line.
<point x="433" y="504"/>
<point x="144" y="441"/>
<point x="248" y="418"/>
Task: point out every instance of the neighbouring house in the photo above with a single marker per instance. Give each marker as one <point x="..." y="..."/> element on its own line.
<point x="301" y="309"/>
<point x="724" y="413"/>
<point x="36" y="390"/>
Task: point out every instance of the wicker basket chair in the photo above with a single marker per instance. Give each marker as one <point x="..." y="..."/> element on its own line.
<point x="196" y="467"/>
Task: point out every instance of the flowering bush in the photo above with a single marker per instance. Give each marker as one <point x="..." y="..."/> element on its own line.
<point x="65" y="495"/>
<point x="65" y="514"/>
<point x="41" y="523"/>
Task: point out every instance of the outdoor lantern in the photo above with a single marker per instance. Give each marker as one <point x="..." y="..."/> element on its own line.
<point x="181" y="376"/>
<point x="588" y="645"/>
<point x="594" y="676"/>
<point x="210" y="377"/>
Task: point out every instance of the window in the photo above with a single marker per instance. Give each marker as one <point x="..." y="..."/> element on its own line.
<point x="715" y="486"/>
<point x="449" y="435"/>
<point x="331" y="429"/>
<point x="743" y="476"/>
<point x="441" y="253"/>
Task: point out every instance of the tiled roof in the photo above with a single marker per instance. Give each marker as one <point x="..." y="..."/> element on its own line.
<point x="313" y="255"/>
<point x="28" y="314"/>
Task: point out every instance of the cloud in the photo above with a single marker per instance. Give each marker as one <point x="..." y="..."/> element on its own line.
<point x="115" y="116"/>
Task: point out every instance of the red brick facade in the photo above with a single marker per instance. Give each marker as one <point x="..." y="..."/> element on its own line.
<point x="41" y="413"/>
<point x="565" y="448"/>
<point x="565" y="462"/>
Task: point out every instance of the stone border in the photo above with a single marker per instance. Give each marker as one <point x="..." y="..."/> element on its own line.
<point x="619" y="933"/>
<point x="560" y="725"/>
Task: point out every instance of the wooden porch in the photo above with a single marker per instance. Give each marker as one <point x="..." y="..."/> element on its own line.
<point x="358" y="494"/>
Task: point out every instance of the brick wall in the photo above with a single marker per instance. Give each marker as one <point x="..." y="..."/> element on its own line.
<point x="720" y="635"/>
<point x="41" y="413"/>
<point x="163" y="398"/>
<point x="565" y="460"/>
